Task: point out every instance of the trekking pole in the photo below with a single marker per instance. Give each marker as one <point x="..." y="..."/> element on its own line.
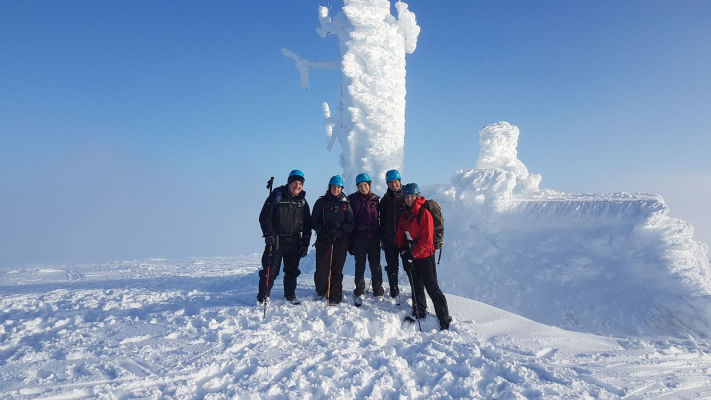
<point x="414" y="297"/>
<point x="269" y="267"/>
<point x="412" y="280"/>
<point x="330" y="265"/>
<point x="440" y="254"/>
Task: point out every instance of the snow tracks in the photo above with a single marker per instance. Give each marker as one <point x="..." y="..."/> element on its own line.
<point x="191" y="329"/>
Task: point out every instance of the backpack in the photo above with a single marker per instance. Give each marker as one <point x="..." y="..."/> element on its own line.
<point x="438" y="222"/>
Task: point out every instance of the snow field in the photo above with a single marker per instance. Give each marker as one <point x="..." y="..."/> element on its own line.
<point x="187" y="329"/>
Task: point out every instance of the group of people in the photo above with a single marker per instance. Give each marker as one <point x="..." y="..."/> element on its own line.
<point x="361" y="224"/>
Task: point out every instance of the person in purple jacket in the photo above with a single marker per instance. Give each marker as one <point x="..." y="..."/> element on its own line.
<point x="365" y="239"/>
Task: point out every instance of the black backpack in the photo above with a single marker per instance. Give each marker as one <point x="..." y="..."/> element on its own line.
<point x="438" y="222"/>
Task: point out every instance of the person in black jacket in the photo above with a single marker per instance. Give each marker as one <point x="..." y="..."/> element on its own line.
<point x="391" y="208"/>
<point x="332" y="220"/>
<point x="286" y="225"/>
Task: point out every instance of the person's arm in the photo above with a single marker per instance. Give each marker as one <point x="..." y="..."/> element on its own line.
<point x="349" y="223"/>
<point x="381" y="219"/>
<point x="423" y="245"/>
<point x="316" y="220"/>
<point x="400" y="235"/>
<point x="265" y="217"/>
<point x="306" y="231"/>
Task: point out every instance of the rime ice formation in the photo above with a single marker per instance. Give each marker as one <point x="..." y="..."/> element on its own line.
<point x="603" y="263"/>
<point x="499" y="151"/>
<point x="369" y="121"/>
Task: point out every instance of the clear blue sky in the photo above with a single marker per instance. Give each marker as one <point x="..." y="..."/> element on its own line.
<point x="138" y="129"/>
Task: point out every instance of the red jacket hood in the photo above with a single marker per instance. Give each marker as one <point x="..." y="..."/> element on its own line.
<point x="419" y="201"/>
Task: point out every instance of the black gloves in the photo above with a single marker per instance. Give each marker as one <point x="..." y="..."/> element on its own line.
<point x="303" y="251"/>
<point x="406" y="256"/>
<point x="270" y="240"/>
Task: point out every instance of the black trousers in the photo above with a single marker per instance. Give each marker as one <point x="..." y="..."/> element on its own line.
<point x="367" y="248"/>
<point x="424" y="276"/>
<point x="287" y="249"/>
<point x="330" y="259"/>
<point x="392" y="261"/>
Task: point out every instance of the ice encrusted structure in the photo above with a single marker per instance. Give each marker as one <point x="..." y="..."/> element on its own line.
<point x="369" y="121"/>
<point x="613" y="264"/>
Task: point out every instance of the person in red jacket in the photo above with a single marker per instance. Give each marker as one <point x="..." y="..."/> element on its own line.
<point x="418" y="255"/>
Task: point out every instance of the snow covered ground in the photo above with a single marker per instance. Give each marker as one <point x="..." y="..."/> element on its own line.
<point x="190" y="329"/>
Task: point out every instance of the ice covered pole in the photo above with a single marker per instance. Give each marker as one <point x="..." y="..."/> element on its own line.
<point x="369" y="121"/>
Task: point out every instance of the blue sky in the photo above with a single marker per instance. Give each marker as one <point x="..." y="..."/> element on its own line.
<point x="140" y="129"/>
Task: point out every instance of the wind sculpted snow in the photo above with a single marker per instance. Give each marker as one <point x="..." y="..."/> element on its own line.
<point x="189" y="329"/>
<point x="613" y="264"/>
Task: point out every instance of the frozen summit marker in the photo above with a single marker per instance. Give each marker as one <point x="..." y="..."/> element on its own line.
<point x="369" y="121"/>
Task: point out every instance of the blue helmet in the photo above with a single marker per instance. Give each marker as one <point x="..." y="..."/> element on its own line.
<point x="295" y="175"/>
<point x="391" y="175"/>
<point x="411" y="188"/>
<point x="336" y="180"/>
<point x="362" y="178"/>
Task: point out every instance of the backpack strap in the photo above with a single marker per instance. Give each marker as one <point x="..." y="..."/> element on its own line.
<point x="277" y="199"/>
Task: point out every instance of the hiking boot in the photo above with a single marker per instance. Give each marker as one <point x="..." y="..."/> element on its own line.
<point x="359" y="300"/>
<point x="320" y="296"/>
<point x="336" y="301"/>
<point x="262" y="302"/>
<point x="397" y="299"/>
<point x="293" y="300"/>
<point x="445" y="324"/>
<point x="378" y="291"/>
<point x="420" y="316"/>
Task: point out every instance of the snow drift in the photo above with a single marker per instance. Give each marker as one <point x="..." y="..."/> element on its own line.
<point x="603" y="263"/>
